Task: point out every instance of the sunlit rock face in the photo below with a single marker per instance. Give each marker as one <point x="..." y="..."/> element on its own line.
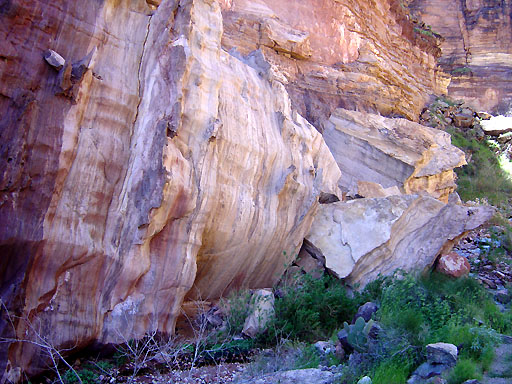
<point x="477" y="50"/>
<point x="364" y="238"/>
<point x="393" y="153"/>
<point x="152" y="162"/>
<point x="347" y="53"/>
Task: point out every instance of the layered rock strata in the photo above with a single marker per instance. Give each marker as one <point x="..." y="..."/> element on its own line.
<point x="344" y="53"/>
<point x="153" y="161"/>
<point x="363" y="238"/>
<point x="395" y="153"/>
<point x="477" y="49"/>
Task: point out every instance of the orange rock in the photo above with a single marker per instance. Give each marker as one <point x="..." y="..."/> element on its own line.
<point x="453" y="264"/>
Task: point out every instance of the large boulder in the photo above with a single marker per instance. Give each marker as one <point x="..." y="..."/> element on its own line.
<point x="363" y="238"/>
<point x="394" y="153"/>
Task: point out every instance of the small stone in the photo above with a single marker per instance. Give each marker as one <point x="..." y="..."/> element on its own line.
<point x="343" y="339"/>
<point x="428" y="370"/>
<point x="453" y="264"/>
<point x="340" y="352"/>
<point x="365" y="311"/>
<point x="365" y="380"/>
<point x="442" y="353"/>
<point x="54" y="59"/>
<point x="325" y="347"/>
<point x="503" y="296"/>
<point x="375" y="331"/>
<point x="484" y="115"/>
<point x="472" y="381"/>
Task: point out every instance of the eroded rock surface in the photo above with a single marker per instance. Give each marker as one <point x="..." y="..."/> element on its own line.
<point x="477" y="48"/>
<point x="344" y="53"/>
<point x="392" y="153"/>
<point x="167" y="163"/>
<point x="364" y="237"/>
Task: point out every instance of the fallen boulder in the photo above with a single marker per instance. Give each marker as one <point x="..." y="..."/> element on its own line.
<point x="497" y="125"/>
<point x="363" y="238"/>
<point x="262" y="311"/>
<point x="453" y="264"/>
<point x="393" y="153"/>
<point x="442" y="353"/>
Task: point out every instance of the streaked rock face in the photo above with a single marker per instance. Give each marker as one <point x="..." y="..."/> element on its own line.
<point x="363" y="238"/>
<point x="168" y="164"/>
<point x="477" y="50"/>
<point x="392" y="153"/>
<point x="346" y="53"/>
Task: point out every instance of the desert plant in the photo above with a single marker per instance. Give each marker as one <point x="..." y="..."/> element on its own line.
<point x="357" y="333"/>
<point x="465" y="369"/>
<point x="311" y="309"/>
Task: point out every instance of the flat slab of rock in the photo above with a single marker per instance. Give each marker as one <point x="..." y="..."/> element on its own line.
<point x="298" y="376"/>
<point x="442" y="353"/>
<point x="372" y="148"/>
<point x="497" y="125"/>
<point x="363" y="238"/>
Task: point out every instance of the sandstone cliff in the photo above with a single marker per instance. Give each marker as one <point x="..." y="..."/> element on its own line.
<point x="352" y="54"/>
<point x="164" y="151"/>
<point x="168" y="161"/>
<point x="477" y="48"/>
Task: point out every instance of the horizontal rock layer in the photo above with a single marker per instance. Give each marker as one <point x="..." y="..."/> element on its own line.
<point x="363" y="238"/>
<point x="392" y="153"/>
<point x="477" y="48"/>
<point x="152" y="163"/>
<point x="345" y="53"/>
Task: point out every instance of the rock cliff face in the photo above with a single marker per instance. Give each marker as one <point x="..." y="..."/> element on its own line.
<point x="477" y="48"/>
<point x="153" y="152"/>
<point x="167" y="162"/>
<point x="393" y="153"/>
<point x="345" y="53"/>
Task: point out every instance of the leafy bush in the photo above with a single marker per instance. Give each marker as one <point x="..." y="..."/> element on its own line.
<point x="87" y="376"/>
<point x="238" y="308"/>
<point x="465" y="369"/>
<point x="394" y="371"/>
<point x="482" y="177"/>
<point x="311" y="309"/>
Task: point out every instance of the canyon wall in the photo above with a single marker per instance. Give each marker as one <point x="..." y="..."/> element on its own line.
<point x="167" y="162"/>
<point x="477" y="48"/>
<point x="173" y="152"/>
<point x="363" y="55"/>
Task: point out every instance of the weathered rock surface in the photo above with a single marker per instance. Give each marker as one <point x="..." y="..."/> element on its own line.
<point x="297" y="376"/>
<point x="477" y="48"/>
<point x="170" y="163"/>
<point x="364" y="237"/>
<point x="392" y="153"/>
<point x="497" y="125"/>
<point x="262" y="310"/>
<point x="453" y="264"/>
<point x="345" y="53"/>
<point x="442" y="353"/>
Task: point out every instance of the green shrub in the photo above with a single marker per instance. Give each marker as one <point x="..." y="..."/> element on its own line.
<point x="461" y="70"/>
<point x="392" y="371"/>
<point x="311" y="309"/>
<point x="465" y="369"/>
<point x="482" y="177"/>
<point x="87" y="376"/>
<point x="238" y="308"/>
